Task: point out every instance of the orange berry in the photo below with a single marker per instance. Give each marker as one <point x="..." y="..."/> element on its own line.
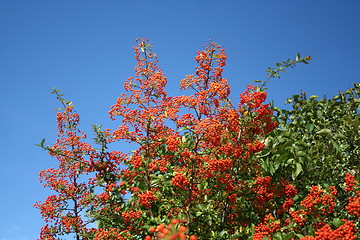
<point x="173" y="237"/>
<point x="193" y="237"/>
<point x="174" y="221"/>
<point x="160" y="227"/>
<point x="182" y="236"/>
<point x="166" y="231"/>
<point x="182" y="229"/>
<point x="152" y="229"/>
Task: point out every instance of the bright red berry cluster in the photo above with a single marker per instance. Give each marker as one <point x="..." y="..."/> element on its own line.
<point x="173" y="231"/>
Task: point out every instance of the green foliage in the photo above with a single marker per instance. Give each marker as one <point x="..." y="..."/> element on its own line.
<point x="317" y="141"/>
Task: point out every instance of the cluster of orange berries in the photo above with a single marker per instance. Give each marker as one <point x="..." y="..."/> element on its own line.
<point x="147" y="198"/>
<point x="180" y="181"/>
<point x="318" y="202"/>
<point x="264" y="190"/>
<point x="353" y="207"/>
<point x="252" y="97"/>
<point x="130" y="215"/>
<point x="268" y="226"/>
<point x="173" y="142"/>
<point x="350" y="182"/>
<point x="111" y="233"/>
<point x="297" y="216"/>
<point x="170" y="232"/>
<point x="344" y="232"/>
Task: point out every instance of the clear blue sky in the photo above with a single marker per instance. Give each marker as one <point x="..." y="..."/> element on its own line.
<point x="84" y="48"/>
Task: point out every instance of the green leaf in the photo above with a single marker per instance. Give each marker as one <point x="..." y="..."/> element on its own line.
<point x="277" y="236"/>
<point x="300" y="154"/>
<point x="299" y="235"/>
<point x="324" y="132"/>
<point x="288" y="236"/>
<point x="337" y="222"/>
<point x="310" y="127"/>
<point x="297" y="171"/>
<point x="41" y="143"/>
<point x="336" y="146"/>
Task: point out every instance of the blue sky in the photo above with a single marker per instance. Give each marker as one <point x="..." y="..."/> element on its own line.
<point x="84" y="48"/>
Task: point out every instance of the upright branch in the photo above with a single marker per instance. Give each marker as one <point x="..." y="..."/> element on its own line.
<point x="64" y="210"/>
<point x="281" y="67"/>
